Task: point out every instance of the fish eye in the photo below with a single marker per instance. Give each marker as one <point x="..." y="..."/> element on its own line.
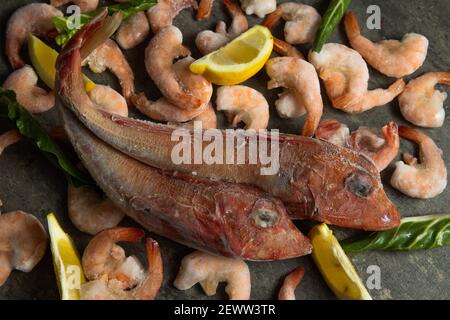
<point x="359" y="184"/>
<point x="265" y="218"/>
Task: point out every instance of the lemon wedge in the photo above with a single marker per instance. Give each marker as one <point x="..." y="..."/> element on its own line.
<point x="239" y="60"/>
<point x="44" y="58"/>
<point x="66" y="262"/>
<point x="335" y="266"/>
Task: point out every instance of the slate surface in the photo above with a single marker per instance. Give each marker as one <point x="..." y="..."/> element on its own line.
<point x="28" y="182"/>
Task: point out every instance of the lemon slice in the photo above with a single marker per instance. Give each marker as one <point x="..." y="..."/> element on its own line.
<point x="335" y="266"/>
<point x="239" y="60"/>
<point x="44" y="58"/>
<point x="66" y="261"/>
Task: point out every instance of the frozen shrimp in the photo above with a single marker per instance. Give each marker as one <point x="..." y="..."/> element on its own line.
<point x="207" y="119"/>
<point x="117" y="286"/>
<point x="162" y="14"/>
<point x="390" y="57"/>
<point x="258" y="7"/>
<point x="35" y="18"/>
<point x="85" y="5"/>
<point x="302" y="22"/>
<point x="7" y="139"/>
<point x="23" y="82"/>
<point x="346" y="78"/>
<point x="421" y="104"/>
<point x="108" y="99"/>
<point x="188" y="92"/>
<point x="291" y="282"/>
<point x="133" y="31"/>
<point x="109" y="56"/>
<point x="209" y="270"/>
<point x="23" y="241"/>
<point x="300" y="78"/>
<point x="204" y="9"/>
<point x="90" y="212"/>
<point x="425" y="180"/>
<point x="334" y="131"/>
<point x="208" y="41"/>
<point x="245" y="104"/>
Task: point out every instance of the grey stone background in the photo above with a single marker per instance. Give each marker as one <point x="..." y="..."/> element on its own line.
<point x="30" y="183"/>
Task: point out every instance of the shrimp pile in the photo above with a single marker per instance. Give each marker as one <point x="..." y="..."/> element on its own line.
<point x="112" y="275"/>
<point x="208" y="41"/>
<point x="421" y="104"/>
<point x="390" y="57"/>
<point x="302" y="22"/>
<point x="423" y="180"/>
<point x="85" y="5"/>
<point x="260" y="8"/>
<point x="290" y="283"/>
<point x="245" y="104"/>
<point x="9" y="138"/>
<point x="23" y="82"/>
<point x="23" y="241"/>
<point x="209" y="270"/>
<point x="346" y="78"/>
<point x="133" y="31"/>
<point x="161" y="15"/>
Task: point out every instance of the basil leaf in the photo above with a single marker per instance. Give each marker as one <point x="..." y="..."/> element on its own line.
<point x="30" y="128"/>
<point x="413" y="233"/>
<point x="330" y="20"/>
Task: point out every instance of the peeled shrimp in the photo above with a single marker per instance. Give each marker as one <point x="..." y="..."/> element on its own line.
<point x="300" y="78"/>
<point x="421" y="104"/>
<point x="209" y="270"/>
<point x="85" y="5"/>
<point x="23" y="82"/>
<point x="346" y="78"/>
<point x="425" y="180"/>
<point x="109" y="56"/>
<point x="292" y="280"/>
<point x="108" y="99"/>
<point x="244" y="104"/>
<point x="258" y="7"/>
<point x="23" y="241"/>
<point x="35" y="18"/>
<point x="133" y="31"/>
<point x="390" y="57"/>
<point x="7" y="139"/>
<point x="188" y="92"/>
<point x="90" y="212"/>
<point x="162" y="14"/>
<point x="112" y="275"/>
<point x="204" y="9"/>
<point x="208" y="41"/>
<point x="302" y="22"/>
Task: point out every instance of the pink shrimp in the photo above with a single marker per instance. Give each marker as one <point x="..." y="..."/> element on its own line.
<point x="292" y="280"/>
<point x="162" y="14"/>
<point x="204" y="9"/>
<point x="133" y="31"/>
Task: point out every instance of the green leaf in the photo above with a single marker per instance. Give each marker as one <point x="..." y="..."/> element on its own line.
<point x="413" y="233"/>
<point x="30" y="128"/>
<point x="330" y="20"/>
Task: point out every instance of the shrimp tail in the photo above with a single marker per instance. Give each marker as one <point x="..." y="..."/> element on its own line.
<point x="390" y="133"/>
<point x="204" y="9"/>
<point x="351" y="26"/>
<point x="291" y="282"/>
<point x="444" y="78"/>
<point x="126" y="234"/>
<point x="150" y="287"/>
<point x="272" y="19"/>
<point x="284" y="48"/>
<point x="344" y="101"/>
<point x="412" y="134"/>
<point x="232" y="7"/>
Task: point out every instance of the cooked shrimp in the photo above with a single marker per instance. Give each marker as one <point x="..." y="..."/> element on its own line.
<point x="334" y="131"/>
<point x="114" y="289"/>
<point x="90" y="212"/>
<point x="421" y="104"/>
<point x="35" y="18"/>
<point x="109" y="56"/>
<point x="204" y="9"/>
<point x="207" y="119"/>
<point x="287" y="106"/>
<point x="7" y="139"/>
<point x="108" y="99"/>
<point x="427" y="179"/>
<point x="133" y="31"/>
<point x="291" y="282"/>
<point x="209" y="270"/>
<point x="245" y="104"/>
<point x="258" y="7"/>
<point x="23" y="241"/>
<point x="85" y="5"/>
<point x="286" y="49"/>
<point x="346" y="78"/>
<point x="162" y="14"/>
<point x="208" y="41"/>
<point x="300" y="78"/>
<point x="302" y="22"/>
<point x="23" y="82"/>
<point x="188" y="92"/>
<point x="390" y="57"/>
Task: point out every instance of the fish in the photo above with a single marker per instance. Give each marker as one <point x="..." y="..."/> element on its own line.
<point x="232" y="220"/>
<point x="316" y="180"/>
